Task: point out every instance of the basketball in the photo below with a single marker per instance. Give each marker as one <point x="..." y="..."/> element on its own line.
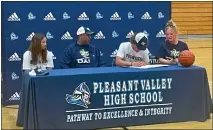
<point x="186" y="58"/>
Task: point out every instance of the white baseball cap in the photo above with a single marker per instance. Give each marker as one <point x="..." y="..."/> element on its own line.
<point x="83" y="30"/>
<point x="142" y="41"/>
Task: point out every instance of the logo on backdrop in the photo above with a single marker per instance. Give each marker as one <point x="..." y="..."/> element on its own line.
<point x="83" y="16"/>
<point x="130" y="34"/>
<point x="160" y="15"/>
<point x="114" y="53"/>
<point x="31" y="16"/>
<point x="115" y="16"/>
<point x="14" y="76"/>
<point x="13" y="36"/>
<point x="66" y="16"/>
<point x="49" y="17"/>
<point x="160" y="34"/>
<point x="29" y="38"/>
<point x="115" y="34"/>
<point x="80" y="96"/>
<point x="15" y="96"/>
<point x="130" y="15"/>
<point x="66" y="36"/>
<point x="146" y="16"/>
<point x="14" y="57"/>
<point x="14" y="17"/>
<point x="49" y="35"/>
<point x="99" y="16"/>
<point x="145" y="32"/>
<point x="99" y="35"/>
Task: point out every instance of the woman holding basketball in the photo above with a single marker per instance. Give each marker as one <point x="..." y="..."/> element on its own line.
<point x="170" y="50"/>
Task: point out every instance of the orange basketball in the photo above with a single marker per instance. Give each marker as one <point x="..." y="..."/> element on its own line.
<point x="186" y="58"/>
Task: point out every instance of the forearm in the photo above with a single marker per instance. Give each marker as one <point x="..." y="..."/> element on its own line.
<point x="120" y="62"/>
<point x="64" y="65"/>
<point x="147" y="63"/>
<point x="164" y="61"/>
<point x="102" y="64"/>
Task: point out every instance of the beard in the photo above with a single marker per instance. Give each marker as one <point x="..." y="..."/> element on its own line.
<point x="85" y="41"/>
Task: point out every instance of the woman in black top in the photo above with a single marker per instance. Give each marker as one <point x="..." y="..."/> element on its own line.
<point x="172" y="47"/>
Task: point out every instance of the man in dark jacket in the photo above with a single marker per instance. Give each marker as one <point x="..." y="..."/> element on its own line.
<point x="81" y="54"/>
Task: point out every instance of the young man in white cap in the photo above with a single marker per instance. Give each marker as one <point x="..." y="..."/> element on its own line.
<point x="135" y="52"/>
<point x="82" y="54"/>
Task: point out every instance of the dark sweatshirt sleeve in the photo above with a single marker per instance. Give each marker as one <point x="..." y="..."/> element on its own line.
<point x="161" y="52"/>
<point x="101" y="62"/>
<point x="67" y="58"/>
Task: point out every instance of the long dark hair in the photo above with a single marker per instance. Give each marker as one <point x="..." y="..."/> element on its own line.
<point x="36" y="50"/>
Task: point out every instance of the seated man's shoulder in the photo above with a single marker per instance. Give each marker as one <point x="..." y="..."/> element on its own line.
<point x="93" y="47"/>
<point x="70" y="47"/>
<point x="125" y="43"/>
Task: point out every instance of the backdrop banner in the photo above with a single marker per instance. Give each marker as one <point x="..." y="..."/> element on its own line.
<point x="114" y="22"/>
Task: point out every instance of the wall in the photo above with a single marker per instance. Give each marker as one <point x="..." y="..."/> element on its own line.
<point x="192" y="17"/>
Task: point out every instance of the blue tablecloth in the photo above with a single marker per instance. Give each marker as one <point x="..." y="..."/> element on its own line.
<point x="88" y="98"/>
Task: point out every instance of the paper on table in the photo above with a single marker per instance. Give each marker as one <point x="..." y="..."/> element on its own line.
<point x="150" y="66"/>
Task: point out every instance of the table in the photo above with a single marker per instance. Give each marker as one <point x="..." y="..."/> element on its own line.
<point x="89" y="98"/>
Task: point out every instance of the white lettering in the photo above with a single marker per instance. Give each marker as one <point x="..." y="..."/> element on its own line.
<point x="83" y="60"/>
